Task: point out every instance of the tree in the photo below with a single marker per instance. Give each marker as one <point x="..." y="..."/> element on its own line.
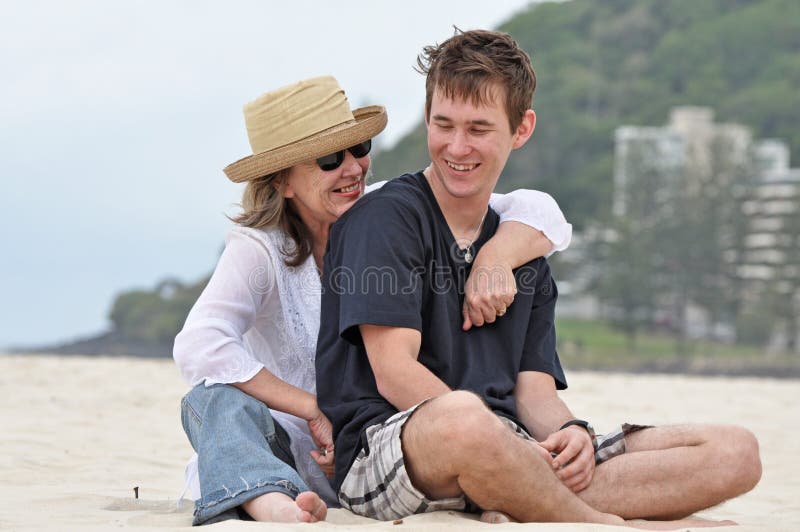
<point x="635" y="254"/>
<point x="154" y="316"/>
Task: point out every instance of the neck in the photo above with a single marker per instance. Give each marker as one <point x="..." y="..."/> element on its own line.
<point x="464" y="216"/>
<point x="319" y="239"/>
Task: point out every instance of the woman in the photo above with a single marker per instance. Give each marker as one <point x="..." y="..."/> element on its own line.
<point x="250" y="339"/>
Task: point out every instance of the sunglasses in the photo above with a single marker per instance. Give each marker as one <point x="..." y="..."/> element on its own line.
<point x="335" y="160"/>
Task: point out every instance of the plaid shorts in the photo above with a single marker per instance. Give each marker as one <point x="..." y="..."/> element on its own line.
<point x="378" y="485"/>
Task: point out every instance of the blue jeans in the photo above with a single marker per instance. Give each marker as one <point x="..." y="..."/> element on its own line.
<point x="242" y="453"/>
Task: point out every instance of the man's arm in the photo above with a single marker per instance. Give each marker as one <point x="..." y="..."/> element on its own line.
<point x="541" y="410"/>
<point x="538" y="404"/>
<point x="401" y="379"/>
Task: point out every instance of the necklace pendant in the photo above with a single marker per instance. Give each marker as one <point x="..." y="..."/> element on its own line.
<point x="468" y="256"/>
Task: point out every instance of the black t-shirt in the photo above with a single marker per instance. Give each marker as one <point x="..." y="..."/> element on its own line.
<point x="392" y="260"/>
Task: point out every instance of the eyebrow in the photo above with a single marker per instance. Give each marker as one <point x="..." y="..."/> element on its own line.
<point x="442" y="118"/>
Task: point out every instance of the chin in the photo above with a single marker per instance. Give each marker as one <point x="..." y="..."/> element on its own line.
<point x="462" y="190"/>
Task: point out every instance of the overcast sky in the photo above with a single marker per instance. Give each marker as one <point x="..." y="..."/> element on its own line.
<point x="118" y="117"/>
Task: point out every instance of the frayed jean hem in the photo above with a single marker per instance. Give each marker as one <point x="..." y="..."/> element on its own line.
<point x="211" y="509"/>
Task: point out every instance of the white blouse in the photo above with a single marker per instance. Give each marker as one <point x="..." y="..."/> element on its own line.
<point x="256" y="312"/>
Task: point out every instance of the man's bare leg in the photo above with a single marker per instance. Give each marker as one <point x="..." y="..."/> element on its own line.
<point x="494" y="517"/>
<point x="673" y="471"/>
<point x="279" y="507"/>
<point x="454" y="445"/>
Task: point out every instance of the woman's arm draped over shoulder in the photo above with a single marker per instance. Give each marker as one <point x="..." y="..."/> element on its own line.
<point x="537" y="210"/>
<point x="531" y="226"/>
<point x="534" y="208"/>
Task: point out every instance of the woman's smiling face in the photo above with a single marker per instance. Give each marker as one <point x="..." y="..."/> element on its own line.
<point x="320" y="197"/>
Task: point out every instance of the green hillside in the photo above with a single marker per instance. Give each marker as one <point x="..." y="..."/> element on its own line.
<point x="601" y="64"/>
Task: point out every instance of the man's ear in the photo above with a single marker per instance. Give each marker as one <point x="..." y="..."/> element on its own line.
<point x="525" y="128"/>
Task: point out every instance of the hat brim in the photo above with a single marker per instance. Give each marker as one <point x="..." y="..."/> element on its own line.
<point x="369" y="121"/>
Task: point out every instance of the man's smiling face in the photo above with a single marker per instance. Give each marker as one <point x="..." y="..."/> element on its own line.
<point x="469" y="143"/>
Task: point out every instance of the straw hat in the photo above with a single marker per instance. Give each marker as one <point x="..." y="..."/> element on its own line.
<point x="301" y="122"/>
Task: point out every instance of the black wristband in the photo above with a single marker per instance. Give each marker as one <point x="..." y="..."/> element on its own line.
<point x="586" y="426"/>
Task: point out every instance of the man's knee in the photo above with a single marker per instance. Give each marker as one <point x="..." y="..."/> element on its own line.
<point x="459" y="420"/>
<point x="462" y="414"/>
<point x="447" y="436"/>
<point x="744" y="457"/>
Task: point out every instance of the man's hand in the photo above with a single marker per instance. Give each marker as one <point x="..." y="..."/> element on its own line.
<point x="574" y="461"/>
<point x="489" y="290"/>
<point x="544" y="452"/>
<point x="322" y="434"/>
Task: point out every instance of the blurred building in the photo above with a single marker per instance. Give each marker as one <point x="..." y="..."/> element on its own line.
<point x="676" y="159"/>
<point x="744" y="200"/>
<point x="769" y="259"/>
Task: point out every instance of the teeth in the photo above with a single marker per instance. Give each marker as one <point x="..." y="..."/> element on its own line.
<point x="350" y="188"/>
<point x="461" y="167"/>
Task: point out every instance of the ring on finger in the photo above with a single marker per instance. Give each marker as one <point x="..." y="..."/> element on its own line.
<point x="501" y="312"/>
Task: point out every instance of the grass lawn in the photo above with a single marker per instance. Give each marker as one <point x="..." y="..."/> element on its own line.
<point x="595" y="344"/>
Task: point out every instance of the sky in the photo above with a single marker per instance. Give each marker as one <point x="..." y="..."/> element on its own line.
<point x="116" y="119"/>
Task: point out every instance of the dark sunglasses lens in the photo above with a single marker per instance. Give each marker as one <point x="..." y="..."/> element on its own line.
<point x="331" y="162"/>
<point x="334" y="160"/>
<point x="362" y="149"/>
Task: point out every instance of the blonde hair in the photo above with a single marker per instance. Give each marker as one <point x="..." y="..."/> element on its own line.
<point x="263" y="206"/>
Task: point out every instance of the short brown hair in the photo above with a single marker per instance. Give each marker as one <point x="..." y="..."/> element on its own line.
<point x="264" y="206"/>
<point x="466" y="65"/>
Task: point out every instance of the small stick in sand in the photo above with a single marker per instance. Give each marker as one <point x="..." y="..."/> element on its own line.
<point x="136" y="491"/>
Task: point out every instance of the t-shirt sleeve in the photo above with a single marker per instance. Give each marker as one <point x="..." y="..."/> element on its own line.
<point x="374" y="266"/>
<point x="539" y="353"/>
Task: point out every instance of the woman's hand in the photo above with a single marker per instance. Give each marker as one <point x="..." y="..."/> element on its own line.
<point x="322" y="434"/>
<point x="489" y="290"/>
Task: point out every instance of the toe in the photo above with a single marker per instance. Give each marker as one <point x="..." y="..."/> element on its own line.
<point x="494" y="517"/>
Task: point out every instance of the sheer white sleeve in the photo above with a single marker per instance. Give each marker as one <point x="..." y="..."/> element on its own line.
<point x="210" y="348"/>
<point x="374" y="186"/>
<point x="535" y="209"/>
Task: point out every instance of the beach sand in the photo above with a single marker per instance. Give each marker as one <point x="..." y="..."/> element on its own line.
<point x="78" y="434"/>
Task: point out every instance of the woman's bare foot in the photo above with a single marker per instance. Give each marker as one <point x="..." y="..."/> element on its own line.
<point x="679" y="524"/>
<point x="278" y="507"/>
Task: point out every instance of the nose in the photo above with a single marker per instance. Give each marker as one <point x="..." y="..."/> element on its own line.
<point x="351" y="167"/>
<point x="459" y="145"/>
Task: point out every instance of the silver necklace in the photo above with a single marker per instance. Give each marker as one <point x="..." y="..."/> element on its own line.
<point x="468" y="253"/>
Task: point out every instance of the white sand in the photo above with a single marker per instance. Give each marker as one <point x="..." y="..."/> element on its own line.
<point x="79" y="433"/>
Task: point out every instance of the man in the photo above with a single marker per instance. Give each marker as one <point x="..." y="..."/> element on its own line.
<point x="428" y="416"/>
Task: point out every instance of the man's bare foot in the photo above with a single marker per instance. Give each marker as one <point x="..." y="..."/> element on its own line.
<point x="278" y="507"/>
<point x="496" y="517"/>
<point x="674" y="525"/>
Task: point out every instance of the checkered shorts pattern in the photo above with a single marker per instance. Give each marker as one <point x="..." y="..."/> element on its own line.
<point x="378" y="485"/>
